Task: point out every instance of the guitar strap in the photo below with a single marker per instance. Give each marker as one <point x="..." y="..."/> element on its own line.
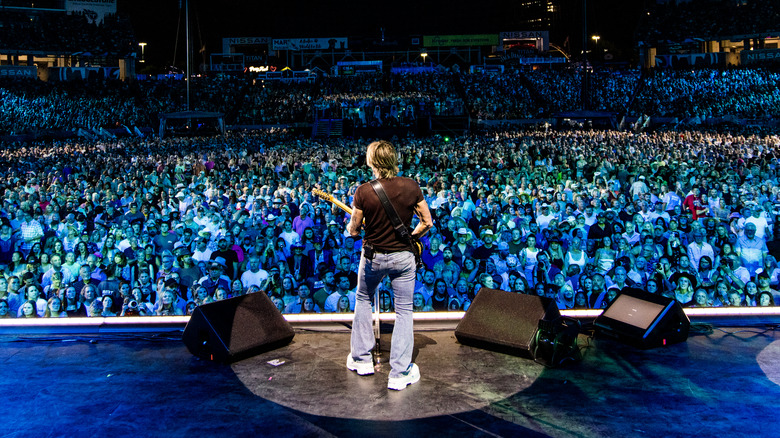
<point x="392" y="213"/>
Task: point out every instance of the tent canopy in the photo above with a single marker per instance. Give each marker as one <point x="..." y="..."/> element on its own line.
<point x="192" y="115"/>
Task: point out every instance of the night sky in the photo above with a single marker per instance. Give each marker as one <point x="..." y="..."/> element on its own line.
<point x="155" y="21"/>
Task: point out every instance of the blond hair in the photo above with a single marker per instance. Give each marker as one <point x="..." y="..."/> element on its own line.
<point x="382" y="158"/>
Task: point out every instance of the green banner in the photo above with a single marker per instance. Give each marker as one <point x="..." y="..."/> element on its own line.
<point x="460" y="40"/>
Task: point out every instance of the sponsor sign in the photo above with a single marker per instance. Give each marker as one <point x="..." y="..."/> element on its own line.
<point x="18" y="71"/>
<point x="227" y="43"/>
<point x="262" y="69"/>
<point x="524" y="35"/>
<point x="93" y="10"/>
<point x="542" y="38"/>
<point x="308" y="44"/>
<point x="460" y="40"/>
<point x="758" y="56"/>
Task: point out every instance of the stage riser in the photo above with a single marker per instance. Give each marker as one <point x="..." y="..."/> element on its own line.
<point x="340" y="322"/>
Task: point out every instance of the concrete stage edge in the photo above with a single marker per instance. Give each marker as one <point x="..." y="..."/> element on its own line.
<point x="722" y="317"/>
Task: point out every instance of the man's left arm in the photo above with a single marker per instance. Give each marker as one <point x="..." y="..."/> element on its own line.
<point x="426" y="222"/>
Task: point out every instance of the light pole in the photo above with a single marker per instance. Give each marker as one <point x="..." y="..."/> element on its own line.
<point x="143" y="47"/>
<point x="585" y="68"/>
<point x="424" y="55"/>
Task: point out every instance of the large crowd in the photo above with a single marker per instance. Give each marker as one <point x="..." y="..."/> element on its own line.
<point x="158" y="227"/>
<point x="148" y="226"/>
<point x="691" y="96"/>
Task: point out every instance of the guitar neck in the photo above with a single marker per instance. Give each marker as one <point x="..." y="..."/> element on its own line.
<point x="327" y="197"/>
<point x="342" y="206"/>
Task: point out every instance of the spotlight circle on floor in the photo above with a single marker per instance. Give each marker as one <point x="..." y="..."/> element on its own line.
<point x="313" y="378"/>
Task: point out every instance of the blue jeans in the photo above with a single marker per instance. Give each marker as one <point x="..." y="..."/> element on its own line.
<point x="400" y="267"/>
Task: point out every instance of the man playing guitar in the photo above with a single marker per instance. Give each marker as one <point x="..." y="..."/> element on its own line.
<point x="386" y="253"/>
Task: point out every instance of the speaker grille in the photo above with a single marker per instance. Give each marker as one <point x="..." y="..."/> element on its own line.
<point x="236" y="328"/>
<point x="504" y="321"/>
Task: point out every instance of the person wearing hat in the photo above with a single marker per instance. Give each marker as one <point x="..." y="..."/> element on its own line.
<point x="544" y="216"/>
<point x="319" y="256"/>
<point x="488" y="248"/>
<point x="276" y="207"/>
<point x="685" y="285"/>
<point x="214" y="277"/>
<point x="189" y="272"/>
<point x="202" y="251"/>
<point x="598" y="231"/>
<point x="133" y="213"/>
<point x="462" y="248"/>
<point x="386" y="254"/>
<point x="299" y="263"/>
<point x="229" y="257"/>
<point x="639" y="187"/>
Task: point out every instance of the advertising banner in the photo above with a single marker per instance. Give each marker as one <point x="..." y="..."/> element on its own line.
<point x="93" y="10"/>
<point x="460" y="40"/>
<point x="227" y="43"/>
<point x="308" y="44"/>
<point x="525" y="35"/>
<point x="18" y="71"/>
<point x="541" y="39"/>
<point x="759" y="56"/>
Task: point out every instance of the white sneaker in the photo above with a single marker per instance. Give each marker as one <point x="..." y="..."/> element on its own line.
<point x="399" y="383"/>
<point x="362" y="368"/>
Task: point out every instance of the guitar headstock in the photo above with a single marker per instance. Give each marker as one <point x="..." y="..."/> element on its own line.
<point x="322" y="195"/>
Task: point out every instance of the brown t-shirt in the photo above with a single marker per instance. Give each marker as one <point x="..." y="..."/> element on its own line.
<point x="404" y="194"/>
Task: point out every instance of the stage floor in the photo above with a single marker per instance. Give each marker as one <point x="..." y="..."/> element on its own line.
<point x="720" y="384"/>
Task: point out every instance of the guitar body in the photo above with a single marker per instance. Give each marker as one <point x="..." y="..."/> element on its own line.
<point x="417" y="250"/>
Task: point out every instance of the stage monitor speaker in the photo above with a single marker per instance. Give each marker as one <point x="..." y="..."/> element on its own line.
<point x="643" y="320"/>
<point x="505" y="322"/>
<point x="237" y="328"/>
